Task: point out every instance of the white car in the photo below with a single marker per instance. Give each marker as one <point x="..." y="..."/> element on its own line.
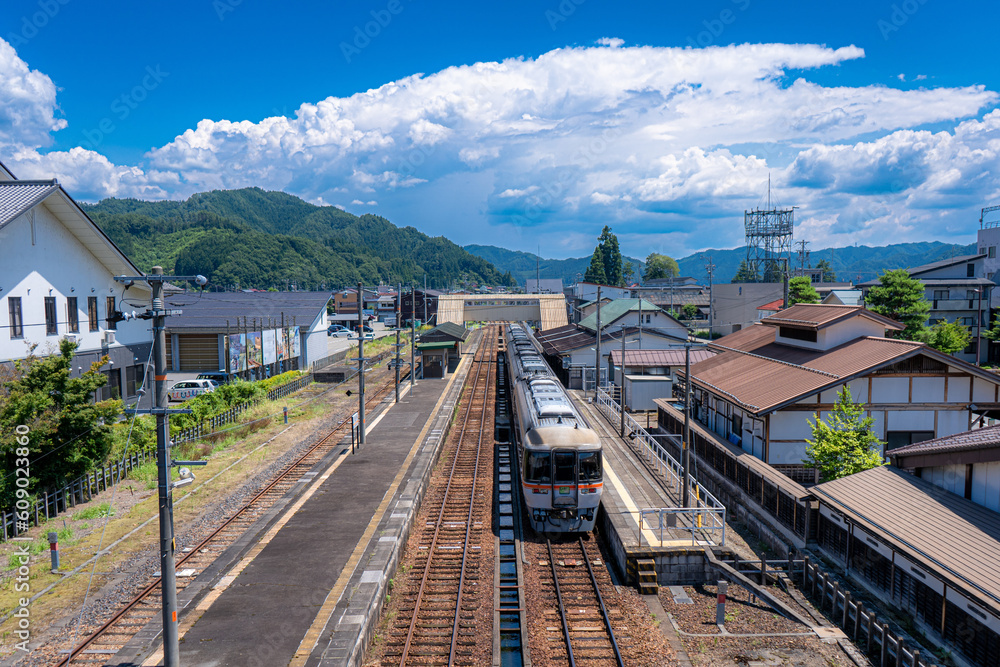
<point x="185" y="389"/>
<point x="338" y="331"/>
<point x="368" y="335"/>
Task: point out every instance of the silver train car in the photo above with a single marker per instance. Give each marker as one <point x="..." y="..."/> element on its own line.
<point x="561" y="471"/>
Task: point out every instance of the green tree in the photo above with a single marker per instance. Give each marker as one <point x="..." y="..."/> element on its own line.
<point x="900" y="297"/>
<point x="689" y="311"/>
<point x="743" y="274"/>
<point x="947" y="337"/>
<point x="660" y="266"/>
<point x="628" y="271"/>
<point x="828" y="275"/>
<point x="595" y="272"/>
<point x="67" y="435"/>
<point x="845" y="444"/>
<point x="611" y="256"/>
<point x="800" y="290"/>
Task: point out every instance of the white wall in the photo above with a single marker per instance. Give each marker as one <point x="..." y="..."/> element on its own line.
<point x="986" y="484"/>
<point x="950" y="478"/>
<point x="57" y="265"/>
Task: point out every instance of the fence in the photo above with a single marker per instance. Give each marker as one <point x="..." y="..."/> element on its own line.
<point x="693" y="521"/>
<point x="707" y="506"/>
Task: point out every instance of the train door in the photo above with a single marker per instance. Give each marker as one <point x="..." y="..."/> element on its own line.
<point x="564" y="490"/>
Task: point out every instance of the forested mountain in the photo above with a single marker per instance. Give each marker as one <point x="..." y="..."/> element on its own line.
<point x="853" y="263"/>
<point x="253" y="238"/>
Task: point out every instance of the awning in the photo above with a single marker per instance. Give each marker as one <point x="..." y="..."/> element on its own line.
<point x="441" y="345"/>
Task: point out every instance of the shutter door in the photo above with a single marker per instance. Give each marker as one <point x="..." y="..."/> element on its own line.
<point x="198" y="352"/>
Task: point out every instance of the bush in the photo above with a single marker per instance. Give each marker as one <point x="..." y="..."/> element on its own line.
<point x="279" y="380"/>
<point x="215" y="402"/>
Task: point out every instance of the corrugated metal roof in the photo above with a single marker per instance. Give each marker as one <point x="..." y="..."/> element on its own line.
<point x="647" y="358"/>
<point x="16" y="197"/>
<point x="820" y="315"/>
<point x="615" y="310"/>
<point x="949" y="534"/>
<point x="456" y="331"/>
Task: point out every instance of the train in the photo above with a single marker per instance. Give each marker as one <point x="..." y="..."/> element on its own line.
<point x="560" y="455"/>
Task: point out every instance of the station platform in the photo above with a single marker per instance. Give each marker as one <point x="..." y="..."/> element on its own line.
<point x="305" y="586"/>
<point x="632" y="484"/>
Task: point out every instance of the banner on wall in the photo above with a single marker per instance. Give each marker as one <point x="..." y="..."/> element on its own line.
<point x="294" y="343"/>
<point x="237" y="353"/>
<point x="282" y="335"/>
<point x="270" y="346"/>
<point x="254" y="350"/>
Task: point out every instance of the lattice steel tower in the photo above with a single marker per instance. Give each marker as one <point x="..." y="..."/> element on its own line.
<point x="769" y="241"/>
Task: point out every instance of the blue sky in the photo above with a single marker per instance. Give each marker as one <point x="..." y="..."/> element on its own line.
<point x="522" y="123"/>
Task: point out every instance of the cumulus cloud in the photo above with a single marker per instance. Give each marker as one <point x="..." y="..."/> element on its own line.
<point x="649" y="138"/>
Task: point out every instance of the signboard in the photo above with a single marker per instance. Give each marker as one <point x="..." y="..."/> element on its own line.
<point x="237" y="353"/>
<point x="282" y="335"/>
<point x="294" y="343"/>
<point x="255" y="351"/>
<point x="472" y="303"/>
<point x="270" y="346"/>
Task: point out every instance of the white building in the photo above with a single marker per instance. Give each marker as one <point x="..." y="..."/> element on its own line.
<point x="769" y="380"/>
<point x="57" y="273"/>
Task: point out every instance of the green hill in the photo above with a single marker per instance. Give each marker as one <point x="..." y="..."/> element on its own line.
<point x="521" y="265"/>
<point x="254" y="238"/>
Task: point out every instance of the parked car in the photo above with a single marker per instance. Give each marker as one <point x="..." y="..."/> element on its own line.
<point x="218" y="377"/>
<point x="185" y="389"/>
<point x="338" y="331"/>
<point x="368" y="335"/>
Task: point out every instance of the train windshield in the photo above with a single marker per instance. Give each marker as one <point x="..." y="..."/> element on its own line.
<point x="536" y="467"/>
<point x="590" y="466"/>
<point x="565" y="468"/>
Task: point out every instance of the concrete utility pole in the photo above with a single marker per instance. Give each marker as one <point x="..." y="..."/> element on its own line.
<point x="803" y="256"/>
<point x="423" y="297"/>
<point x="399" y="297"/>
<point x="711" y="302"/>
<point x="413" y="335"/>
<point x="621" y="372"/>
<point x="597" y="362"/>
<point x="361" y="367"/>
<point x="686" y="455"/>
<point x="168" y="582"/>
<point x="785" y="279"/>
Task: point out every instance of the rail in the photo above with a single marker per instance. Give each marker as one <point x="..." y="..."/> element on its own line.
<point x="706" y="504"/>
<point x="683" y="519"/>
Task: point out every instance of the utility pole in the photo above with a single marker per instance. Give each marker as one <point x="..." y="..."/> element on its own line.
<point x="711" y="302"/>
<point x="784" y="261"/>
<point x="597" y="362"/>
<point x="361" y="368"/>
<point x="686" y="462"/>
<point x="803" y="256"/>
<point x="413" y="335"/>
<point x="423" y="297"/>
<point x="621" y="372"/>
<point x="168" y="581"/>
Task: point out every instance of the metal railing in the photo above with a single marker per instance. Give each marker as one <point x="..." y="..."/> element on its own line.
<point x="707" y="506"/>
<point x="701" y="521"/>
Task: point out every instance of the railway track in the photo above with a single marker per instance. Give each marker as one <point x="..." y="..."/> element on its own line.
<point x="111" y="637"/>
<point x="584" y="628"/>
<point x="440" y="596"/>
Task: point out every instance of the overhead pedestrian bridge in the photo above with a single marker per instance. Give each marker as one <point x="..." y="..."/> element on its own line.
<point x="548" y="310"/>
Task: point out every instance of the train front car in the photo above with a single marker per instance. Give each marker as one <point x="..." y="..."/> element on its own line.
<point x="561" y="471"/>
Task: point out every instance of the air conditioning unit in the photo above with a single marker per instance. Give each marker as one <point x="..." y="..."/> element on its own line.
<point x="109" y="337"/>
<point x="73" y="338"/>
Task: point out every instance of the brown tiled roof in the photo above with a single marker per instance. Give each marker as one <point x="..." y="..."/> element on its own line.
<point x="944" y="532"/>
<point x="772" y="305"/>
<point x="979" y="446"/>
<point x="820" y="315"/>
<point x="659" y="357"/>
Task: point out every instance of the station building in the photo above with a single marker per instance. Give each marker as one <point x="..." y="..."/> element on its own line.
<point x="768" y="381"/>
<point x="441" y="348"/>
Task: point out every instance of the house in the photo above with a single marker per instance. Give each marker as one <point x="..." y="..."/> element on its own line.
<point x="590" y="307"/>
<point x="987" y="240"/>
<point x="57" y="272"/>
<point x="422" y="301"/>
<point x="966" y="464"/>
<point x="767" y="381"/>
<point x="770" y="308"/>
<point x="441" y="349"/>
<point x="252" y="335"/>
<point x="637" y="313"/>
<point x="844" y="297"/>
<point x="958" y="291"/>
<point x="649" y="374"/>
<point x="543" y="286"/>
<point x="735" y="304"/>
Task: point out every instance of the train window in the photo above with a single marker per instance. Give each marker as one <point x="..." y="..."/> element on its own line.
<point x="536" y="467"/>
<point x="565" y="468"/>
<point x="590" y="466"/>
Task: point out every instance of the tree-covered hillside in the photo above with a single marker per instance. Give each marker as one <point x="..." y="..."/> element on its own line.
<point x="521" y="265"/>
<point x="253" y="238"/>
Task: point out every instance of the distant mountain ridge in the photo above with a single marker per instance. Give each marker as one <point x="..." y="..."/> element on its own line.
<point x="255" y="238"/>
<point x="853" y="263"/>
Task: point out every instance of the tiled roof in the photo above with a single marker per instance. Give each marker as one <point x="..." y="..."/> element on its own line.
<point x="16" y="197"/>
<point x="820" y="315"/>
<point x="976" y="446"/>
<point x="615" y="310"/>
<point x="218" y="311"/>
<point x="647" y="358"/>
<point x="773" y="305"/>
<point x="943" y="531"/>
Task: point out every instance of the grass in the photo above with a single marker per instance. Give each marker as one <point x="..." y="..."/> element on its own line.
<point x="40" y="544"/>
<point x="96" y="512"/>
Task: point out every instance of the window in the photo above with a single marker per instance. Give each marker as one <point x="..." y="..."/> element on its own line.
<point x="565" y="468"/>
<point x="133" y="380"/>
<point x="971" y="294"/>
<point x="649" y="319"/>
<point x="16" y="321"/>
<point x="92" y="313"/>
<point x="72" y="315"/>
<point x="993" y="252"/>
<point x="797" y="334"/>
<point x="736" y="425"/>
<point x="894" y="439"/>
<point x="113" y="387"/>
<point x="590" y="467"/>
<point x="536" y="467"/>
<point x="966" y="321"/>
<point x="111" y="311"/>
<point x="971" y="347"/>
<point x="940" y="294"/>
<point x="51" y="322"/>
<point x="970" y="270"/>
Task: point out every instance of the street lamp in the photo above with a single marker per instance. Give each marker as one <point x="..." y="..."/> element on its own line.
<point x="686" y="449"/>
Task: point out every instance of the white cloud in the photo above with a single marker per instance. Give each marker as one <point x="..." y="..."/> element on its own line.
<point x="650" y="139"/>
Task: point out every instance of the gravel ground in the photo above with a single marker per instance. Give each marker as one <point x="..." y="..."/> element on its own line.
<point x="746" y="617"/>
<point x="134" y="572"/>
<point x="639" y="639"/>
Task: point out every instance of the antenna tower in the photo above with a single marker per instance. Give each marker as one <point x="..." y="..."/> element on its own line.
<point x="769" y="240"/>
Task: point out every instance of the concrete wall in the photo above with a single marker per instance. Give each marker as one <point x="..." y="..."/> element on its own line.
<point x="735" y="304"/>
